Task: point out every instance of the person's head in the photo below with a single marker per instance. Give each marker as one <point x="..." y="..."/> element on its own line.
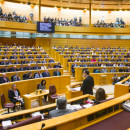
<point x="61" y="103"/>
<point x="100" y="94"/>
<point x="17" y="74"/>
<point x="14" y="87"/>
<point x="39" y="72"/>
<point x="85" y="73"/>
<point x="4" y="75"/>
<point x="46" y="70"/>
<point x="57" y="69"/>
<point x="43" y="82"/>
<point x="30" y="73"/>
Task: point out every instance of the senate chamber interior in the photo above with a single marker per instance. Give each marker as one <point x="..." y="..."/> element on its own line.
<point x="64" y="64"/>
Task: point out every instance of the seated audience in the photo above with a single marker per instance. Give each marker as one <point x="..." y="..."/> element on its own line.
<point x="14" y="96"/>
<point x="113" y="70"/>
<point x="16" y="62"/>
<point x="57" y="72"/>
<point x="61" y="105"/>
<point x="6" y="69"/>
<point x="36" y="67"/>
<point x="46" y="73"/>
<point x="4" y="79"/>
<point x="32" y="61"/>
<point x="14" y="69"/>
<point x="38" y="75"/>
<point x="43" y="67"/>
<point x="30" y="76"/>
<point x="104" y="70"/>
<point x="49" y="66"/>
<point x="22" y="68"/>
<point x="57" y="66"/>
<point x="51" y="61"/>
<point x="115" y="79"/>
<point x="29" y="67"/>
<point x="44" y="61"/>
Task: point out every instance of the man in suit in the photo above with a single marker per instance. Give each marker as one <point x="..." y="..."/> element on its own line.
<point x="57" y="72"/>
<point x="46" y="73"/>
<point x="51" y="61"/>
<point x="72" y="68"/>
<point x="24" y="61"/>
<point x="88" y="83"/>
<point x="39" y="56"/>
<point x="32" y="61"/>
<point x="30" y="57"/>
<point x="4" y="79"/>
<point x="14" y="68"/>
<point x="29" y="67"/>
<point x="13" y="57"/>
<point x="16" y="62"/>
<point x="61" y="105"/>
<point x="104" y="70"/>
<point x="16" y="77"/>
<point x="22" y="68"/>
<point x="6" y="69"/>
<point x="113" y="70"/>
<point x="38" y="75"/>
<point x="22" y="57"/>
<point x="36" y="67"/>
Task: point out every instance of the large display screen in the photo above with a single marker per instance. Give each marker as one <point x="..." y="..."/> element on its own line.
<point x="45" y="27"/>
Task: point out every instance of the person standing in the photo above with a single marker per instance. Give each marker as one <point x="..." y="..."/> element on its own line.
<point x="88" y="83"/>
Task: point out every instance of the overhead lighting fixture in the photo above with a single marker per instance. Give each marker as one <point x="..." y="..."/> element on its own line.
<point x="55" y="7"/>
<point x="85" y="9"/>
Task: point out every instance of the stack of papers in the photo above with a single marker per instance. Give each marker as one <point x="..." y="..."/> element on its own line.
<point x="76" y="89"/>
<point x="87" y="105"/>
<point x="73" y="107"/>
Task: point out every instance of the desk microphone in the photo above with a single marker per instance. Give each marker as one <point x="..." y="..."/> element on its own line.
<point x="43" y="124"/>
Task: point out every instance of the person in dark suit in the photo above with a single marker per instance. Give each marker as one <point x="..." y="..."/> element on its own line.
<point x="39" y="56"/>
<point x="14" y="68"/>
<point x="24" y="61"/>
<point x="57" y="66"/>
<point x="6" y="69"/>
<point x="46" y="73"/>
<point x="57" y="72"/>
<point x="88" y="83"/>
<point x="16" y="62"/>
<point x="4" y="79"/>
<point x="30" y="57"/>
<point x="14" y="96"/>
<point x="61" y="104"/>
<point x="72" y="68"/>
<point x="29" y="67"/>
<point x="13" y="57"/>
<point x="51" y="61"/>
<point x="16" y="77"/>
<point x="22" y="68"/>
<point x="22" y="57"/>
<point x="36" y="67"/>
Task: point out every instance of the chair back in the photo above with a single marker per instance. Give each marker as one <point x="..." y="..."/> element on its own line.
<point x="38" y="86"/>
<point x="3" y="100"/>
<point x="52" y="89"/>
<point x="9" y="93"/>
<point x="12" y="78"/>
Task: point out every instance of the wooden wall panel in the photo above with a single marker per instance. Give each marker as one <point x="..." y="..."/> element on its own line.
<point x="22" y="41"/>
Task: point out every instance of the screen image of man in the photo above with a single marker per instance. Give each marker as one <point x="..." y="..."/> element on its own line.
<point x="88" y="83"/>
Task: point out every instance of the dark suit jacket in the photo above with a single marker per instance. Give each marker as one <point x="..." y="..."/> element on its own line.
<point x="87" y="86"/>
<point x="21" y="69"/>
<point x="3" y="81"/>
<point x="5" y="70"/>
<point x="12" y="94"/>
<point x="55" y="73"/>
<point x="45" y="74"/>
<point x="36" y="67"/>
<point x="22" y="57"/>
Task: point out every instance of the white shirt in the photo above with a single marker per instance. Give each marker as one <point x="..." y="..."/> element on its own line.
<point x="43" y="67"/>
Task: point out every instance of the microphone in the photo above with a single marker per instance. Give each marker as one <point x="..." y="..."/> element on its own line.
<point x="43" y="124"/>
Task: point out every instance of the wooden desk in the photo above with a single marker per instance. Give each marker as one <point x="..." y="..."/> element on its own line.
<point x="81" y="117"/>
<point x="121" y="89"/>
<point x="27" y="98"/>
<point x="96" y="76"/>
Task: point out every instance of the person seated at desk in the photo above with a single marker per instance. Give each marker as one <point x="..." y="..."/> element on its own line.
<point x="100" y="60"/>
<point x="30" y="76"/>
<point x="109" y="64"/>
<point x="104" y="70"/>
<point x="39" y="56"/>
<point x="51" y="61"/>
<point x="36" y="67"/>
<point x="43" y="67"/>
<point x="44" y="61"/>
<point x="6" y="69"/>
<point x="5" y="57"/>
<point x="57" y="72"/>
<point x="46" y="73"/>
<point x="30" y="57"/>
<point x="22" y="68"/>
<point x="29" y="67"/>
<point x="29" y="52"/>
<point x="115" y="79"/>
<point x="38" y="61"/>
<point x="14" y="96"/>
<point x="47" y="56"/>
<point x="118" y="60"/>
<point x="32" y="61"/>
<point x="88" y="60"/>
<point x="77" y="60"/>
<point x="97" y="71"/>
<point x="24" y="61"/>
<point x="57" y="66"/>
<point x="38" y="75"/>
<point x="9" y="62"/>
<point x="128" y="69"/>
<point x="91" y="64"/>
<point x="72" y="68"/>
<point x="121" y="65"/>
<point x="112" y="60"/>
<point x="43" y="87"/>
<point x="50" y="66"/>
<point x="16" y="62"/>
<point x="61" y="105"/>
<point x="115" y="64"/>
<point x="81" y="65"/>
<point x="16" y="77"/>
<point x="23" y="56"/>
<point x="113" y="70"/>
<point x="14" y="69"/>
<point x="4" y="79"/>
<point x="13" y="57"/>
<point x="36" y="52"/>
<point x="106" y="60"/>
<point x="83" y="60"/>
